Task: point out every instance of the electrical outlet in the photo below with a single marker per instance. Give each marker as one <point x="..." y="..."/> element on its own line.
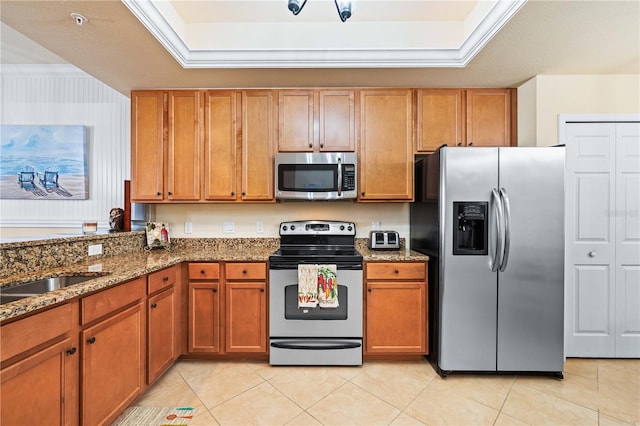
<point x="260" y="227"/>
<point x="375" y="226"/>
<point x="188" y="228"/>
<point x="228" y="227"/>
<point x="95" y="249"/>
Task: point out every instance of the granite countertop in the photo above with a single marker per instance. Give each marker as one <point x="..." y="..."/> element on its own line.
<point x="112" y="270"/>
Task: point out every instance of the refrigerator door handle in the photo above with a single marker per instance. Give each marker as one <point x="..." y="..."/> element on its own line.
<point x="496" y="202"/>
<point x="504" y="198"/>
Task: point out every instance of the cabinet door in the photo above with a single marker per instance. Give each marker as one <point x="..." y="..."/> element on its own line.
<point x="440" y="119"/>
<point x="296" y="124"/>
<point x="258" y="142"/>
<point x="220" y="146"/>
<point x="488" y="117"/>
<point x="113" y="365"/>
<point x="184" y="146"/>
<point x="246" y="317"/>
<point x="337" y="127"/>
<point x="147" y="145"/>
<point x="396" y="317"/>
<point x="204" y="317"/>
<point x="43" y="388"/>
<point x="161" y="325"/>
<point x="386" y="145"/>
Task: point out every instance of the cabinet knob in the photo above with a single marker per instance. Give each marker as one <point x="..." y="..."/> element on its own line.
<point x="158" y="193"/>
<point x="244" y="271"/>
<point x="244" y="193"/>
<point x="321" y="145"/>
<point x="395" y="271"/>
<point x="165" y="279"/>
<point x="362" y="193"/>
<point x="369" y="290"/>
<point x="233" y="193"/>
<point x="262" y="290"/>
<point x="470" y="143"/>
<point x="71" y="351"/>
<point x="154" y="305"/>
<point x="310" y="145"/>
<point x="459" y="143"/>
<point x="91" y="340"/>
<point x="170" y="193"/>
<point x="215" y="290"/>
<point x="592" y="254"/>
<point x="202" y="271"/>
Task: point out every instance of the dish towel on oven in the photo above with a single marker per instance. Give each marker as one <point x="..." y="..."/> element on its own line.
<point x="327" y="286"/>
<point x="307" y="286"/>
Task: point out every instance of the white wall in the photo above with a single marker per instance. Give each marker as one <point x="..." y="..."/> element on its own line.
<point x="573" y="94"/>
<point x="63" y="94"/>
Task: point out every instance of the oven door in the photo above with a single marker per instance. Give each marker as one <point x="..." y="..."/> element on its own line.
<point x="315" y="336"/>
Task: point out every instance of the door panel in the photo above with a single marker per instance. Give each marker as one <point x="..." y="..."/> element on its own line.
<point x="467" y="286"/>
<point x="627" y="244"/>
<point x="531" y="286"/>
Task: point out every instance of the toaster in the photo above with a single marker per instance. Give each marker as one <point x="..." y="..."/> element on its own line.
<point x="384" y="240"/>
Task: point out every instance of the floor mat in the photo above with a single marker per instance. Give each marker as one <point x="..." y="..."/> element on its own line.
<point x="155" y="416"/>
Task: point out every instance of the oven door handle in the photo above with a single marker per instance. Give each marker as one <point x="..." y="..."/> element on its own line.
<point x="316" y="344"/>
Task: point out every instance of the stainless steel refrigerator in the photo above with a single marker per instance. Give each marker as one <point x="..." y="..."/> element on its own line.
<point x="492" y="222"/>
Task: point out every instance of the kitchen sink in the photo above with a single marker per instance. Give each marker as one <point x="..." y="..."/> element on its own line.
<point x="34" y="288"/>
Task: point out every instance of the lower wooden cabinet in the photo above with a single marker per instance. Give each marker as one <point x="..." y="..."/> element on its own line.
<point x="113" y="352"/>
<point x="396" y="308"/>
<point x="204" y="317"/>
<point x="246" y="317"/>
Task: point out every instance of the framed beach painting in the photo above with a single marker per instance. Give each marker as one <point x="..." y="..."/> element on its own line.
<point x="43" y="162"/>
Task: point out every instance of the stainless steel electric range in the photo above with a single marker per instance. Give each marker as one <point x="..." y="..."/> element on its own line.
<point x="315" y="336"/>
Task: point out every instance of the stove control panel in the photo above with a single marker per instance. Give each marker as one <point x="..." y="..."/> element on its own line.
<point x="317" y="227"/>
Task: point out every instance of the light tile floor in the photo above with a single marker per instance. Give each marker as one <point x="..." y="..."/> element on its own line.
<point x="593" y="392"/>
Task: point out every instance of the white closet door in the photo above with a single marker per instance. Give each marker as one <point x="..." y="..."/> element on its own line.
<point x="589" y="240"/>
<point x="627" y="223"/>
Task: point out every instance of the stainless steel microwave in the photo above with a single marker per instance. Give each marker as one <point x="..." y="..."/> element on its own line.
<point x="316" y="176"/>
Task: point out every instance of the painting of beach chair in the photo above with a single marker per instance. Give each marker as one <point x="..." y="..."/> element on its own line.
<point x="48" y="179"/>
<point x="26" y="177"/>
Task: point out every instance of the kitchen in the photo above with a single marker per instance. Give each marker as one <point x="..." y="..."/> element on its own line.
<point x="549" y="97"/>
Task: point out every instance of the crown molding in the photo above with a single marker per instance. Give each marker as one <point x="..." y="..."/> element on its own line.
<point x="150" y="15"/>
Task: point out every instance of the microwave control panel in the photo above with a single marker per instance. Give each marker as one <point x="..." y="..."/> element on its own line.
<point x="348" y="177"/>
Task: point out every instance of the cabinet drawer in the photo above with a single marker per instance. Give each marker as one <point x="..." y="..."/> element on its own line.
<point x="161" y="279"/>
<point x="246" y="271"/>
<point x="204" y="271"/>
<point x="30" y="332"/>
<point x="107" y="301"/>
<point x="396" y="270"/>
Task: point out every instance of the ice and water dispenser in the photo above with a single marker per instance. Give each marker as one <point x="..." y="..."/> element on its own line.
<point x="470" y="227"/>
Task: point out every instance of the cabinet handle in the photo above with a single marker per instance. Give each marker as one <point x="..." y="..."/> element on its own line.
<point x="470" y="143"/>
<point x="170" y="193"/>
<point x="244" y="193"/>
<point x="310" y="145"/>
<point x="165" y="279"/>
<point x="459" y="143"/>
<point x="154" y="305"/>
<point x="91" y="340"/>
<point x="262" y="290"/>
<point x="202" y="271"/>
<point x="362" y="193"/>
<point x="244" y="271"/>
<point x="71" y="351"/>
<point x="592" y="254"/>
<point x="395" y="271"/>
<point x="158" y="193"/>
<point x="215" y="290"/>
<point x="233" y="193"/>
<point x="321" y="145"/>
<point x="369" y="290"/>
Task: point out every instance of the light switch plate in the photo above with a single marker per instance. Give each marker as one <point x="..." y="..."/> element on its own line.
<point x="260" y="227"/>
<point x="95" y="249"/>
<point x="188" y="227"/>
<point x="227" y="227"/>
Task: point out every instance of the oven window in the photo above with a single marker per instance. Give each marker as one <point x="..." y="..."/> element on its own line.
<point x="308" y="177"/>
<point x="291" y="310"/>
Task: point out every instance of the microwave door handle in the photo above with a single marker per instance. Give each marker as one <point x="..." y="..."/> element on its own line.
<point x="339" y="177"/>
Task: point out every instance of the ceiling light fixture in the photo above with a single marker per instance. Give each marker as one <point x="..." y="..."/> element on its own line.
<point x="80" y="19"/>
<point x="343" y="7"/>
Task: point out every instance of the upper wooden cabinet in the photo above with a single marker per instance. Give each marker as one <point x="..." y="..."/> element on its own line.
<point x="386" y="145"/>
<point x="165" y="168"/>
<point x="147" y="145"/>
<point x="489" y="117"/>
<point x="457" y="117"/>
<point x="258" y="145"/>
<point x="220" y="147"/>
<point x="316" y="120"/>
